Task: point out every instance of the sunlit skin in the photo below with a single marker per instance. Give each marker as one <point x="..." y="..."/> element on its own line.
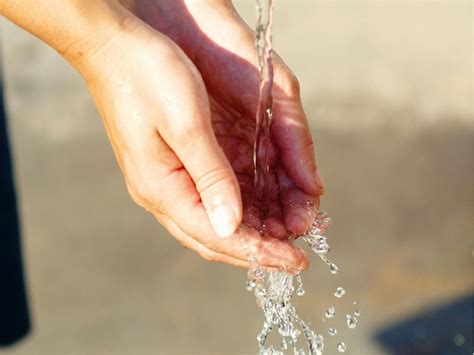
<point x="174" y="83"/>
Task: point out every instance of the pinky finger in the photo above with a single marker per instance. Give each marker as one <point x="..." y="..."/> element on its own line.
<point x="202" y="250"/>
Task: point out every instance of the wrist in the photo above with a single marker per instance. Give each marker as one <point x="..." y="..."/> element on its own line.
<point x="94" y="34"/>
<point x="88" y="51"/>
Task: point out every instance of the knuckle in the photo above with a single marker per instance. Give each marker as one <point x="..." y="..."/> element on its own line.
<point x="208" y="181"/>
<point x="189" y="129"/>
<point x="293" y="85"/>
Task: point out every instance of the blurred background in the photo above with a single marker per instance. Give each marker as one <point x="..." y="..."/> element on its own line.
<point x="388" y="88"/>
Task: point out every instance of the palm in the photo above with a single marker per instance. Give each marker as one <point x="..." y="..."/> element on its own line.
<point x="221" y="47"/>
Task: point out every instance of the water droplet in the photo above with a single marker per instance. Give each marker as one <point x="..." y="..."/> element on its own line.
<point x="334" y="269"/>
<point x="284" y="344"/>
<point x="326" y="221"/>
<point x="332" y="331"/>
<point x="341" y="347"/>
<point x="351" y="321"/>
<point x="300" y="291"/>
<point x="257" y="273"/>
<point x="260" y="291"/>
<point x="320" y="217"/>
<point x="339" y="292"/>
<point x="285" y="329"/>
<point x="331" y="312"/>
<point x="250" y="285"/>
<point x="357" y="313"/>
<point x="295" y="333"/>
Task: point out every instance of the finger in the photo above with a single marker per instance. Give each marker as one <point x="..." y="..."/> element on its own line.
<point x="189" y="242"/>
<point x="246" y="244"/>
<point x="237" y="65"/>
<point x="299" y="208"/>
<point x="172" y="193"/>
<point x="291" y="132"/>
<point x="188" y="132"/>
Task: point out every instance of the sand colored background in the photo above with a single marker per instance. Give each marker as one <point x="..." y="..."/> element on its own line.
<point x="388" y="88"/>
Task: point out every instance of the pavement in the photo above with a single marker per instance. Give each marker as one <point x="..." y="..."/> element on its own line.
<point x="388" y="89"/>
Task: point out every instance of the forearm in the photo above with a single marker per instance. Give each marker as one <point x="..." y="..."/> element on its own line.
<point x="74" y="28"/>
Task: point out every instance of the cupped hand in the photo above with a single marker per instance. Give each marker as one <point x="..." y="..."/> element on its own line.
<point x="171" y="98"/>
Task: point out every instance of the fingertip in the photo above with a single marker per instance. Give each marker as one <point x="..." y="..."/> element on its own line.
<point x="298" y="220"/>
<point x="304" y="264"/>
<point x="299" y="260"/>
<point x="223" y="220"/>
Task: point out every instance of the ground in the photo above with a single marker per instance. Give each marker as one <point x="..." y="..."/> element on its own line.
<point x="388" y="90"/>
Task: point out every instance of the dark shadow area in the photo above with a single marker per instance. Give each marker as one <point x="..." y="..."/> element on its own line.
<point x="446" y="330"/>
<point x="105" y="278"/>
<point x="14" y="317"/>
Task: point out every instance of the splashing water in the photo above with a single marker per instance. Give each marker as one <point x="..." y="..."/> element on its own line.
<point x="339" y="292"/>
<point x="274" y="290"/>
<point x="331" y="312"/>
<point x="351" y="321"/>
<point x="341" y="347"/>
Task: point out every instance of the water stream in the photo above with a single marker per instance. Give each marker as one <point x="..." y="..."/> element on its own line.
<point x="261" y="156"/>
<point x="274" y="290"/>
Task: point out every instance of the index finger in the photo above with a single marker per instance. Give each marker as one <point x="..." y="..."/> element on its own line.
<point x="291" y="133"/>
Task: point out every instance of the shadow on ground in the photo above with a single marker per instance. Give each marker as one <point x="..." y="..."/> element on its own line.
<point x="444" y="330"/>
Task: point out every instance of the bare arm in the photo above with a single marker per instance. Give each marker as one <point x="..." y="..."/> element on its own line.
<point x="175" y="141"/>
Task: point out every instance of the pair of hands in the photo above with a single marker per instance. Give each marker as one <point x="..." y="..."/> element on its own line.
<point x="177" y="87"/>
<point x="177" y="91"/>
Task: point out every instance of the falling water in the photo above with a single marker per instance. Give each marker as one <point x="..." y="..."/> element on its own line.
<point x="263" y="43"/>
<point x="274" y="290"/>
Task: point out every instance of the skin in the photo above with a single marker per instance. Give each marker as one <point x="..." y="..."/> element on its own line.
<point x="176" y="85"/>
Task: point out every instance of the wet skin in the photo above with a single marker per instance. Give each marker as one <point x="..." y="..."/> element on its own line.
<point x="176" y="84"/>
<point x="221" y="46"/>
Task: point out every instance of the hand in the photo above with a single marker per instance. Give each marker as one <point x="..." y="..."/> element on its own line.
<point x="222" y="47"/>
<point x="156" y="111"/>
<point x="162" y="119"/>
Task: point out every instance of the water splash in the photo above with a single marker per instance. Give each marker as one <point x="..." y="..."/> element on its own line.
<point x="341" y="347"/>
<point x="299" y="290"/>
<point x="339" y="292"/>
<point x="274" y="290"/>
<point x="330" y="312"/>
<point x="351" y="321"/>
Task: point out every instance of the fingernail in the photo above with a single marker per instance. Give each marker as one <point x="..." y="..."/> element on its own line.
<point x="223" y="221"/>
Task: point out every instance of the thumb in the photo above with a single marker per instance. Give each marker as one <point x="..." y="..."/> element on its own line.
<point x="193" y="140"/>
